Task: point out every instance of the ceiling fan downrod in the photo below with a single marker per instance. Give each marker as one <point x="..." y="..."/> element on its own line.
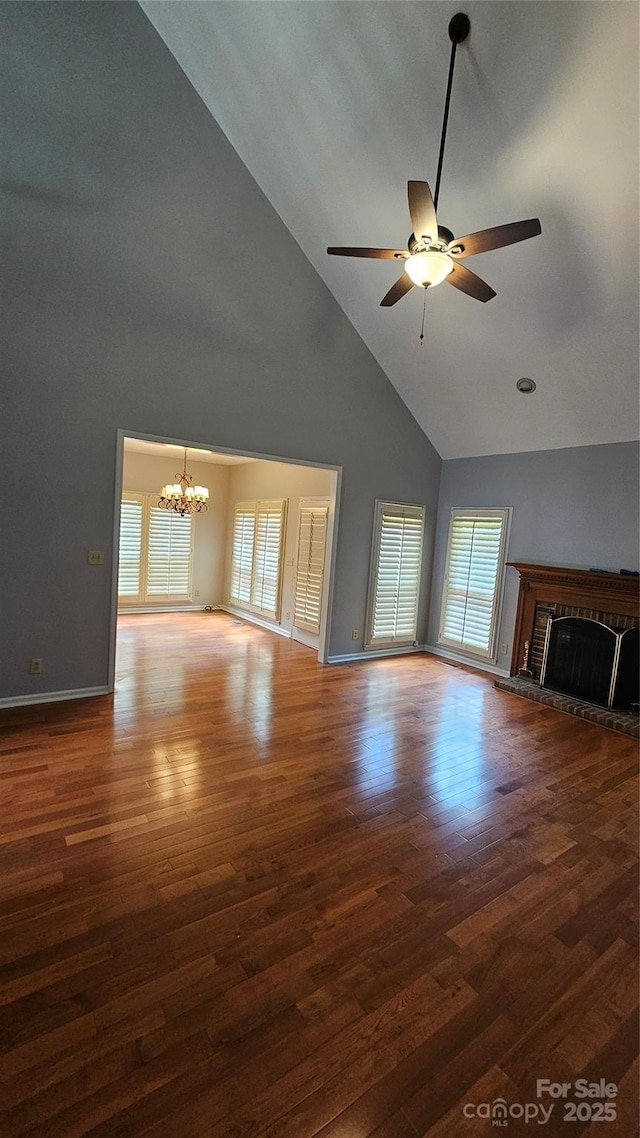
<point x="459" y="27"/>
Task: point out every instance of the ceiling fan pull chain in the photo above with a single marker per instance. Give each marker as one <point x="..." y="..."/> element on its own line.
<point x="424" y="309"/>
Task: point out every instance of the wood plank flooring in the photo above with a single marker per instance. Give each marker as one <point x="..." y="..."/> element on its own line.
<point x="254" y="897"/>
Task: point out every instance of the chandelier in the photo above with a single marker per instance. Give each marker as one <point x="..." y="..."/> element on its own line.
<point x="182" y="496"/>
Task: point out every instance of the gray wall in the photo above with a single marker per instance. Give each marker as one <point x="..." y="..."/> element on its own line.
<point x="570" y="507"/>
<point x="131" y="302"/>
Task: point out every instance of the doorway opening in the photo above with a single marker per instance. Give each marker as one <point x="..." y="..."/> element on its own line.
<point x="264" y="549"/>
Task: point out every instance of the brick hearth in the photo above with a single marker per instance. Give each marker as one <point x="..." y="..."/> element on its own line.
<point x="623" y="721"/>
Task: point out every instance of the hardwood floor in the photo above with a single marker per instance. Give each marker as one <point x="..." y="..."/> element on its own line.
<point x="255" y="897"/>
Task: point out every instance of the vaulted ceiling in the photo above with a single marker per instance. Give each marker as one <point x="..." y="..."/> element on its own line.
<point x="333" y="106"/>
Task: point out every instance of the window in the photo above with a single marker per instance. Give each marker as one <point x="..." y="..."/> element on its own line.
<point x="396" y="563"/>
<point x="312" y="535"/>
<point x="258" y="529"/>
<point x="473" y="579"/>
<point x="155" y="552"/>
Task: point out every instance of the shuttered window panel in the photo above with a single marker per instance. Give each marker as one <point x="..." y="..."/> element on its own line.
<point x="169" y="554"/>
<point x="256" y="563"/>
<point x="395" y="579"/>
<point x="473" y="580"/>
<point x="266" y="559"/>
<point x="312" y="537"/>
<point x="155" y="554"/>
<point x="129" y="568"/>
<point x="244" y="525"/>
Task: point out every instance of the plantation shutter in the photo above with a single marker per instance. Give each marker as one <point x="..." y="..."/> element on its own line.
<point x="266" y="559"/>
<point x="130" y="547"/>
<point x="258" y="529"/>
<point x="475" y="560"/>
<point x="169" y="554"/>
<point x="396" y="574"/>
<point x="312" y="535"/>
<point x="244" y="523"/>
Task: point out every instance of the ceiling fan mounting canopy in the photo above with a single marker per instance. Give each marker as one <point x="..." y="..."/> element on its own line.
<point x="434" y="254"/>
<point x="459" y="26"/>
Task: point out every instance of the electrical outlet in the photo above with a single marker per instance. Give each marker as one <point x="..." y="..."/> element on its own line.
<point x="95" y="557"/>
<point x="355" y="634"/>
<point x="35" y="665"/>
<point x="504" y="648"/>
<point x="287" y="616"/>
<point x="197" y="592"/>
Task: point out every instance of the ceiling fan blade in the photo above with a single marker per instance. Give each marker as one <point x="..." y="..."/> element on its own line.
<point x="423" y="212"/>
<point x="497" y="238"/>
<point x="397" y="291"/>
<point x="462" y="278"/>
<point x="380" y="254"/>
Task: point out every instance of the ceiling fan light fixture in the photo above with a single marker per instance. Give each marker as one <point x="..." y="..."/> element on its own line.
<point x="429" y="268"/>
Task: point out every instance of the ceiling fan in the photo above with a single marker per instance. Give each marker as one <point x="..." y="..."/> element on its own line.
<point x="434" y="254"/>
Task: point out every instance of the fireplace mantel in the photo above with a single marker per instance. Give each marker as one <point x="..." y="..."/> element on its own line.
<point x="616" y="593"/>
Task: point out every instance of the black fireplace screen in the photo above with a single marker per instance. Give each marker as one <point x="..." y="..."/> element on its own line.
<point x="579" y="659"/>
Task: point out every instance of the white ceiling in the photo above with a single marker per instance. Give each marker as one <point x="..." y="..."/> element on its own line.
<point x="333" y="106"/>
<point x="176" y="452"/>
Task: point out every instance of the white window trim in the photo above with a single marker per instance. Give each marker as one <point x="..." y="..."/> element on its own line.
<point x="144" y="599"/>
<point x="378" y="643"/>
<point x="504" y="513"/>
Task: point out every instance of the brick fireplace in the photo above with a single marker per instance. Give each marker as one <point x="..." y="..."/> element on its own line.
<point x="552" y="591"/>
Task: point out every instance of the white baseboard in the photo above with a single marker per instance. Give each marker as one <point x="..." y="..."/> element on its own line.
<point x="52" y="696"/>
<point x="375" y="654"/>
<point x="252" y="618"/>
<point x="458" y="658"/>
<point x="134" y="609"/>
